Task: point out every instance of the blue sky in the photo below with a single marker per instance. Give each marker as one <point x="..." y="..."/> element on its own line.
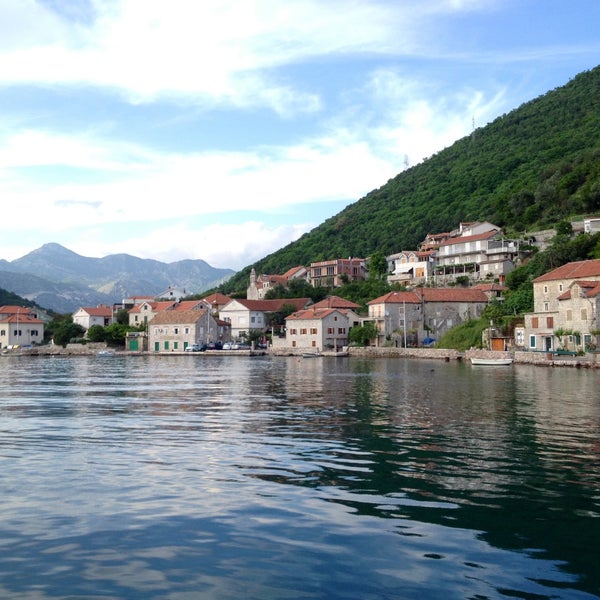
<point x="223" y="130"/>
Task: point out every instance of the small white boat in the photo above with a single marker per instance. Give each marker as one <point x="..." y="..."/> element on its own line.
<point x="105" y="353"/>
<point x="491" y="362"/>
<point x="311" y="354"/>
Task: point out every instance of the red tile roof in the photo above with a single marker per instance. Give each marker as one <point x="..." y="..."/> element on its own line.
<point x="432" y="295"/>
<point x="178" y="317"/>
<point x="273" y="305"/>
<point x="335" y="302"/>
<point x="572" y="270"/>
<point x="470" y="238"/>
<point x="97" y="311"/>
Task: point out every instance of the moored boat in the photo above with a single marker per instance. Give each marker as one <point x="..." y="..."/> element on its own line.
<point x="498" y="362"/>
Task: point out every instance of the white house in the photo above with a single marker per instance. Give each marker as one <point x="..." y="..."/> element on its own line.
<point x="245" y="315"/>
<point x="86" y="316"/>
<point x="20" y="326"/>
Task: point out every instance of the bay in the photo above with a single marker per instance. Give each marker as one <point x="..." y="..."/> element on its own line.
<point x="281" y="477"/>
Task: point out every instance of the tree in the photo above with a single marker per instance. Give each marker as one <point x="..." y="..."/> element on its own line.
<point x="66" y="331"/>
<point x="378" y="266"/>
<point x="96" y="333"/>
<point x="363" y="334"/>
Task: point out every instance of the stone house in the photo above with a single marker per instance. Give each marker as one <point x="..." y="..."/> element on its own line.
<point x="410" y="318"/>
<point x="317" y="329"/>
<point x="86" y="316"/>
<point x="20" y="326"/>
<point x="566" y="301"/>
<point x="175" y="330"/>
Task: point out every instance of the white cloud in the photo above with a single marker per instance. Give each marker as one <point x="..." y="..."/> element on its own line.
<point x="221" y="245"/>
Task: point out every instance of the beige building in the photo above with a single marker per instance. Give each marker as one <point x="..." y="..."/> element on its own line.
<point x="318" y="329"/>
<point x="566" y="302"/>
<point x="174" y="331"/>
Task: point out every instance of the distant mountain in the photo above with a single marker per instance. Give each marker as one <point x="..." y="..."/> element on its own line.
<point x="524" y="171"/>
<point x="57" y="278"/>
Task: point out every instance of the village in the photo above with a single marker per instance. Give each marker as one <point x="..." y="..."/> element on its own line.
<point x="430" y="302"/>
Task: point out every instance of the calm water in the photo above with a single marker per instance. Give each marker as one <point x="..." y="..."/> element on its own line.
<point x="229" y="477"/>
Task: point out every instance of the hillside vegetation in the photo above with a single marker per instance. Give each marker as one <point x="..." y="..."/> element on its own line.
<point x="526" y="170"/>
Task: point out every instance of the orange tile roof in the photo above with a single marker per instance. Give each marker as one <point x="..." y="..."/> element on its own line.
<point x="315" y="313"/>
<point x="22" y="318"/>
<point x="217" y="298"/>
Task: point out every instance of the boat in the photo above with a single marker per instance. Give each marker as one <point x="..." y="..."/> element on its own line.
<point x="311" y="354"/>
<point x="491" y="362"/>
<point x="105" y="353"/>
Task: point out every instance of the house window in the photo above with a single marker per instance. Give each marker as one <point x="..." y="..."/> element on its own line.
<point x="532" y="341"/>
<point x="546" y="307"/>
<point x="175" y="345"/>
<point x="549" y="322"/>
<point x="303" y="331"/>
<point x="569" y="315"/>
<point x="187" y="330"/>
<point x="330" y="330"/>
<point x="313" y="331"/>
<point x="535" y="322"/>
<point x="584" y="314"/>
<point x="545" y="289"/>
<point x="135" y="319"/>
<point x="34" y="332"/>
<point x="252" y="319"/>
<point x="294" y="344"/>
<point x="314" y="343"/>
<point x="176" y="330"/>
<point x="560" y="287"/>
<point x="341" y="330"/>
<point x="166" y="344"/>
<point x="3" y="332"/>
<point x="335" y="318"/>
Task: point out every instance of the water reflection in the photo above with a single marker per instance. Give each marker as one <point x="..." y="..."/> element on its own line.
<point x="258" y="477"/>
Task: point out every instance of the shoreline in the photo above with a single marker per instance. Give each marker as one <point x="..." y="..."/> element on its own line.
<point x="546" y="359"/>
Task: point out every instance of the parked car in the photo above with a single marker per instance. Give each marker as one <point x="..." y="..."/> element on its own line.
<point x="227" y="346"/>
<point x="196" y="348"/>
<point x="214" y="345"/>
<point x="240" y="346"/>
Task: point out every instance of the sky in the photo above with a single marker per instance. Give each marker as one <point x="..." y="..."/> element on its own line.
<point x="223" y="130"/>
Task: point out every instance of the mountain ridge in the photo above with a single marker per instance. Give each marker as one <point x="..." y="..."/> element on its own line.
<point x="59" y="279"/>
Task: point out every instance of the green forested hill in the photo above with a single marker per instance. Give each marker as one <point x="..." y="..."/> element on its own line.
<point x="526" y="170"/>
